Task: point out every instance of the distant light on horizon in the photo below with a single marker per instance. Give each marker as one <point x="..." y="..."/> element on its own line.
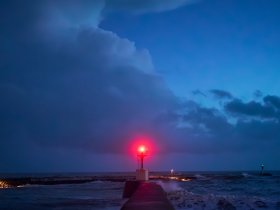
<point x="3" y="184"/>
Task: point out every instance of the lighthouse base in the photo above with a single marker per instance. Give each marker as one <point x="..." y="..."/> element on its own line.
<point x="142" y="175"/>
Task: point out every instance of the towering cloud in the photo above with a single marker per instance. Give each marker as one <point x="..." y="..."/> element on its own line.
<point x="66" y="83"/>
<point x="70" y="89"/>
<point x="75" y="13"/>
<point x="144" y="6"/>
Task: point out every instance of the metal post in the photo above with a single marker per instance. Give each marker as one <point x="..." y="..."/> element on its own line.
<point x="142" y="161"/>
<point x="262" y="166"/>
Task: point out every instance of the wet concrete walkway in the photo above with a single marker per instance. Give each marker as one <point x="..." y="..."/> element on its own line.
<point x="148" y="196"/>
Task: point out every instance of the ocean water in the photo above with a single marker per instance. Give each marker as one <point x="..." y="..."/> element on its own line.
<point x="94" y="195"/>
<point x="204" y="191"/>
<point x="228" y="190"/>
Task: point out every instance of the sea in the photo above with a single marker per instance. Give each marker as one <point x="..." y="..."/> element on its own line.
<point x="200" y="191"/>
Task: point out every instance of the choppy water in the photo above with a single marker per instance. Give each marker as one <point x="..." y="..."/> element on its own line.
<point x="94" y="195"/>
<point x="244" y="191"/>
<point x="207" y="191"/>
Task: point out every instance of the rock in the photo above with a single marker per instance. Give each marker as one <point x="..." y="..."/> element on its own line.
<point x="260" y="204"/>
<point x="223" y="204"/>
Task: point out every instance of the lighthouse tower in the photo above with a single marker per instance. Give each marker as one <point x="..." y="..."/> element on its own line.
<point x="141" y="173"/>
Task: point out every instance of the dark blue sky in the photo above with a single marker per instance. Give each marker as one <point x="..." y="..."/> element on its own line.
<point x="211" y="44"/>
<point x="80" y="81"/>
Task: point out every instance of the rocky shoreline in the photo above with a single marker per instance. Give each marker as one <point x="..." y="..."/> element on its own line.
<point x="17" y="182"/>
<point x="56" y="180"/>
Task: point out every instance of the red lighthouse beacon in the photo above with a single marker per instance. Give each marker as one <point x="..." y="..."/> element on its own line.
<point x="141" y="173"/>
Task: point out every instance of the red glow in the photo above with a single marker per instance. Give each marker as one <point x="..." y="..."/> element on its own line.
<point x="142" y="144"/>
<point x="142" y="149"/>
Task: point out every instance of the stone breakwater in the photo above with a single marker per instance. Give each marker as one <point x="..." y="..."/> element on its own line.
<point x="54" y="180"/>
<point x="17" y="182"/>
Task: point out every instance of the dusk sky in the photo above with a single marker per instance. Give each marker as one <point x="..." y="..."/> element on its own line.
<point x="81" y="82"/>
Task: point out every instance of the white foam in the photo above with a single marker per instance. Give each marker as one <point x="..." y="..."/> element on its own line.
<point x="246" y="174"/>
<point x="199" y="176"/>
<point x="182" y="199"/>
<point x="169" y="186"/>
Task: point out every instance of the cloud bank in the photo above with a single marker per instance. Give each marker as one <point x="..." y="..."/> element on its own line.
<point x="83" y="90"/>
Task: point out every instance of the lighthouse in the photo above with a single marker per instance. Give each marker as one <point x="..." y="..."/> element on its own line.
<point x="141" y="173"/>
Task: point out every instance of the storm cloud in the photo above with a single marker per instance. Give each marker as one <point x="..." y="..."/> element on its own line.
<point x="91" y="90"/>
<point x="98" y="83"/>
<point x="268" y="109"/>
<point x="221" y="94"/>
<point x="69" y="88"/>
<point x="145" y="6"/>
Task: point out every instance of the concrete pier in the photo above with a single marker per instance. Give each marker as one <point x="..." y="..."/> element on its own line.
<point x="148" y="196"/>
<point x="130" y="188"/>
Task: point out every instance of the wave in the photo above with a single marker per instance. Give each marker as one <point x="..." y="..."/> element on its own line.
<point x="199" y="176"/>
<point x="182" y="199"/>
<point x="246" y="175"/>
<point x="169" y="186"/>
<point x="229" y="176"/>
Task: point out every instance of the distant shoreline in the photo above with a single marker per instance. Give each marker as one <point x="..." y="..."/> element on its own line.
<point x="57" y="179"/>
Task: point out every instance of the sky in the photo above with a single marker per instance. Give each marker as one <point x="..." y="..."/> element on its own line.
<point x="82" y="83"/>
